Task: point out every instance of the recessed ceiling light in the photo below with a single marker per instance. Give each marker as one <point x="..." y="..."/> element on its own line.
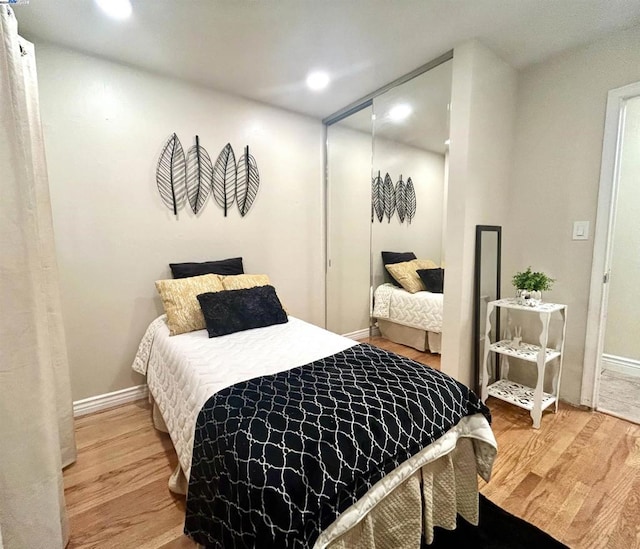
<point x="118" y="9"/>
<point x="318" y="80"/>
<point x="400" y="112"/>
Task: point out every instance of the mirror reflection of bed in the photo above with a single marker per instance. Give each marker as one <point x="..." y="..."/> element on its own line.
<point x="407" y="306"/>
<point x="402" y="132"/>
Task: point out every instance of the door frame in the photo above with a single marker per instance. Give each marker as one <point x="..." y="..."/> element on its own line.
<point x="602" y="245"/>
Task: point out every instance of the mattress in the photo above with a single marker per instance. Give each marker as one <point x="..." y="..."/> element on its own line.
<point x="183" y="371"/>
<point x="422" y="310"/>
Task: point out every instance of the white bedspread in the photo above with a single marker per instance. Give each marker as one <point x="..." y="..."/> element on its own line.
<point x="183" y="371"/>
<point x="422" y="310"/>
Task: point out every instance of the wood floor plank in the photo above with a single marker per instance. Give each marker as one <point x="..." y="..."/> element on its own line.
<point x="130" y="520"/>
<point x="97" y="490"/>
<point x="568" y="509"/>
<point x="627" y="530"/>
<point x="113" y="424"/>
<point x="116" y="454"/>
<point x="577" y="477"/>
<point x="430" y="359"/>
<point x="171" y="539"/>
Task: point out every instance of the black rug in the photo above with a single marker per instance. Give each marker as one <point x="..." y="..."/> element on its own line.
<point x="497" y="529"/>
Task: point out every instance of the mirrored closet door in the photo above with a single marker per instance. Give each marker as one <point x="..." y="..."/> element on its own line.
<point x="349" y="150"/>
<point x="393" y="203"/>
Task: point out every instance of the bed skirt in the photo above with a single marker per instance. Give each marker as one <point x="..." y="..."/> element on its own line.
<point x="421" y="340"/>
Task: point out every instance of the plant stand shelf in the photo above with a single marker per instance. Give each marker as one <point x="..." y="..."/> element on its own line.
<point x="518" y="395"/>
<point x="525" y="351"/>
<point x="533" y="399"/>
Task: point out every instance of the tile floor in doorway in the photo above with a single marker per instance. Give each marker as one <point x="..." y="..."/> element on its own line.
<point x="620" y="395"/>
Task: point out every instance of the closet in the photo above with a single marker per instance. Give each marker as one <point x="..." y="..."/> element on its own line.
<point x="399" y="135"/>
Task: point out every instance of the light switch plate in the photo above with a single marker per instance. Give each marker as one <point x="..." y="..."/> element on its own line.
<point x="580" y="230"/>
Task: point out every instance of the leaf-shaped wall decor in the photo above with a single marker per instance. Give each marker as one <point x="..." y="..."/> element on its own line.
<point x="401" y="199"/>
<point x="170" y="174"/>
<point x="199" y="176"/>
<point x="248" y="182"/>
<point x="389" y="197"/>
<point x="224" y="179"/>
<point x="411" y="204"/>
<point x="377" y="198"/>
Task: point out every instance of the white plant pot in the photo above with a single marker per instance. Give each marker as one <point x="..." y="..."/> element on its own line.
<point x="528" y="298"/>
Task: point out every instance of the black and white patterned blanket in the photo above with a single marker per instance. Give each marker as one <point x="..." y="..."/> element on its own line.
<point x="276" y="459"/>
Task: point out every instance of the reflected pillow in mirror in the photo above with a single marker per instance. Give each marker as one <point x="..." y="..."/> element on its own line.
<point x="234" y="311"/>
<point x="390" y="258"/>
<point x="433" y="279"/>
<point x="405" y="273"/>
<point x="232" y="266"/>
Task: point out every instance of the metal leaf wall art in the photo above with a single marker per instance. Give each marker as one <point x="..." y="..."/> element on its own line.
<point x="199" y="176"/>
<point x="225" y="176"/>
<point x="377" y="198"/>
<point x="170" y="174"/>
<point x="401" y="199"/>
<point x="195" y="177"/>
<point x="411" y="204"/>
<point x="248" y="182"/>
<point x="389" y="197"/>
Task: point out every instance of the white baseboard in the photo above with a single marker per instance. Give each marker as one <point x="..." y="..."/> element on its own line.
<point x="109" y="400"/>
<point x="361" y="334"/>
<point x="620" y="364"/>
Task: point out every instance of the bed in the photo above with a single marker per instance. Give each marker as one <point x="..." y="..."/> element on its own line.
<point x="413" y="319"/>
<point x="193" y="379"/>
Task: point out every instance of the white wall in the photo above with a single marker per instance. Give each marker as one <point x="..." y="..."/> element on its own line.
<point x="558" y="149"/>
<point x="482" y="121"/>
<point x="105" y="125"/>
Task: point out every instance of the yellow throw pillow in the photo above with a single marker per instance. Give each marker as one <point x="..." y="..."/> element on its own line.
<point x="180" y="301"/>
<point x="244" y="281"/>
<point x="405" y="273"/>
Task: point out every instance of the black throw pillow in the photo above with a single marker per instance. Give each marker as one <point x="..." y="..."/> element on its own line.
<point x="233" y="311"/>
<point x="433" y="279"/>
<point x="389" y="258"/>
<point x="231" y="266"/>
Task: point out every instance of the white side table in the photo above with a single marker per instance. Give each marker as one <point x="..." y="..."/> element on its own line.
<point x="533" y="399"/>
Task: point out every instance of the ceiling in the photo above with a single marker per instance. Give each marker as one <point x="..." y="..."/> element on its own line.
<point x="427" y="125"/>
<point x="264" y="49"/>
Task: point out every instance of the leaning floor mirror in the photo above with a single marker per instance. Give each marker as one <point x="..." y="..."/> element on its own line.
<point x="486" y="289"/>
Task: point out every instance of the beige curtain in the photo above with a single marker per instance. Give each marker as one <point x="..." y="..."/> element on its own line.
<point x="36" y="418"/>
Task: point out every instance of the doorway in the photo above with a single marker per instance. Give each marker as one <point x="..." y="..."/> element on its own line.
<point x="616" y="268"/>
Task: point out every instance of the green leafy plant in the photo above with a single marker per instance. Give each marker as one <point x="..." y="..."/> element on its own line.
<point x="532" y="281"/>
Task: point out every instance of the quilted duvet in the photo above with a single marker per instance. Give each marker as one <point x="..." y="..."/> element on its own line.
<point x="422" y="310"/>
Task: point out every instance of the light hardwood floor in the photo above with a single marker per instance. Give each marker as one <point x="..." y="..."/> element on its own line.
<point x="578" y="478"/>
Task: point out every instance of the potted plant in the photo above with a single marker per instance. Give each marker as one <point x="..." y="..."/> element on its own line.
<point x="530" y="285"/>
